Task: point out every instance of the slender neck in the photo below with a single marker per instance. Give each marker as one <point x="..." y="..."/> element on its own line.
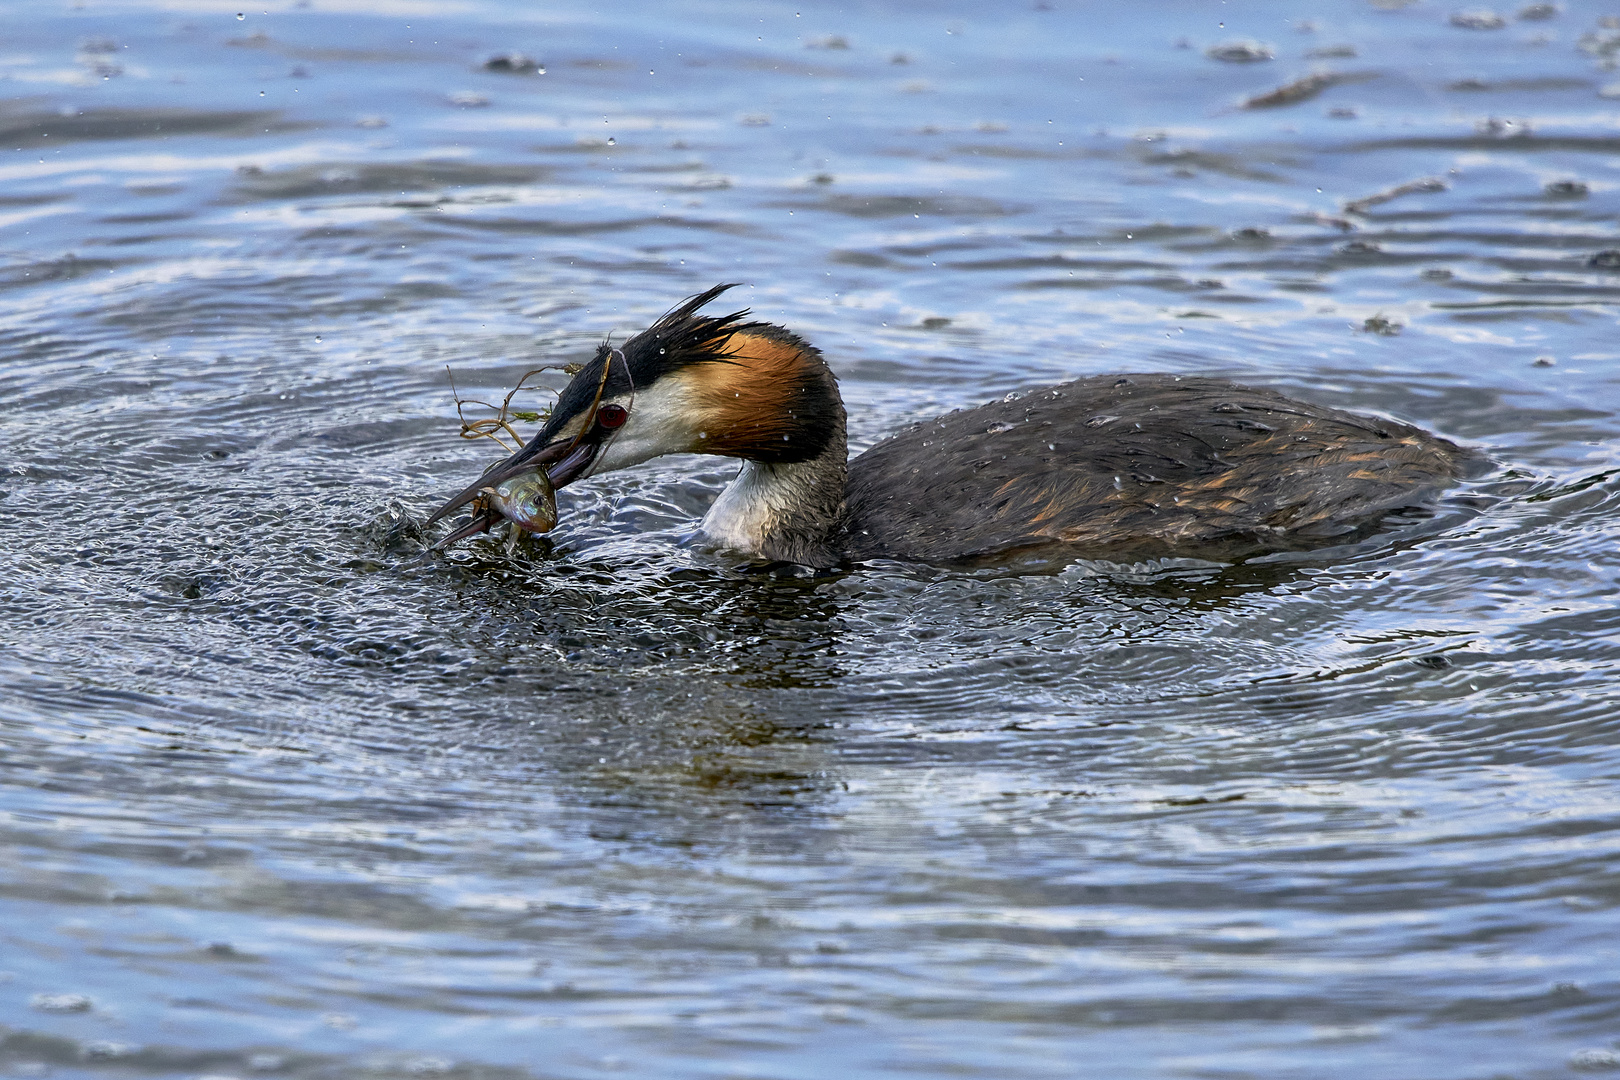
<point x="792" y="513"/>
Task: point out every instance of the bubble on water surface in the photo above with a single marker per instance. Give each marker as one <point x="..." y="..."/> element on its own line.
<point x="514" y="63"/>
<point x="1597" y="1060"/>
<point x="108" y="1050"/>
<point x="1245" y="51"/>
<point x="60" y="1003"/>
<point x="1503" y="127"/>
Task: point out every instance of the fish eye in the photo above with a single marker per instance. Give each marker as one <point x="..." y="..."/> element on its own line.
<point x="612" y="416"/>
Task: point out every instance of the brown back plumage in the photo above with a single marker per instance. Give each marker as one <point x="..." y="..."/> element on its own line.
<point x="1140" y="465"/>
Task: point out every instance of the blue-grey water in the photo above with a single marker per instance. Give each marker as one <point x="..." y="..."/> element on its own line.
<point x="280" y="797"/>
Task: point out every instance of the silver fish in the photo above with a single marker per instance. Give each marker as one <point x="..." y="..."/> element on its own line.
<point x="527" y="501"/>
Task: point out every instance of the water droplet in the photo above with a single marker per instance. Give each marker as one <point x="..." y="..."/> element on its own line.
<point x="612" y="141"/>
<point x="240" y="16"/>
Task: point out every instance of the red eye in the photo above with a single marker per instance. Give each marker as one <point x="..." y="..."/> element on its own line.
<point x="612" y="416"/>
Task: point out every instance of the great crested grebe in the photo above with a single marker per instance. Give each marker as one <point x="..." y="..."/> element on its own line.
<point x="1109" y="466"/>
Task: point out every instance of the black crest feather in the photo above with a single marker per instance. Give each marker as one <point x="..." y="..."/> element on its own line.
<point x="680" y="337"/>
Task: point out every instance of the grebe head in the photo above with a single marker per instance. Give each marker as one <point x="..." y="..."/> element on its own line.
<point x="690" y="383"/>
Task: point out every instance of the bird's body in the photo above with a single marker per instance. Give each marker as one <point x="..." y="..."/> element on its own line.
<point x="1140" y="465"/>
<point x="1122" y="466"/>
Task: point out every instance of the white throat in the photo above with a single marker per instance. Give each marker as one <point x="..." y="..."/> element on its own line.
<point x="759" y="503"/>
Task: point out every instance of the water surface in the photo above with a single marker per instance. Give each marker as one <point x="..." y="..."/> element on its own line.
<point x="279" y="796"/>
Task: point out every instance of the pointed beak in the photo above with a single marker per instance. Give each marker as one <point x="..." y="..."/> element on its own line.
<point x="474" y="525"/>
<point x="564" y="461"/>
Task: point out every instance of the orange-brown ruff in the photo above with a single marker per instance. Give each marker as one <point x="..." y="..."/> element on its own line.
<point x="1118" y="466"/>
<point x="758" y="402"/>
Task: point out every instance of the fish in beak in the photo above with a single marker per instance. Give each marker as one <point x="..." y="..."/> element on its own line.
<point x="558" y="463"/>
<point x="562" y="452"/>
